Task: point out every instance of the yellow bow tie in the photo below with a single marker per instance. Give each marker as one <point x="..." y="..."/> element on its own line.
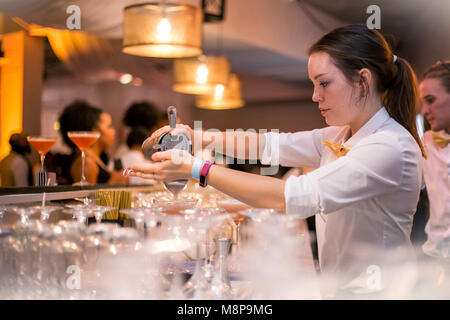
<point x="338" y="149"/>
<point x="441" y="140"/>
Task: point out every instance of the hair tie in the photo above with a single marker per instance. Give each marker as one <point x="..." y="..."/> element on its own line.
<point x="394" y="58"/>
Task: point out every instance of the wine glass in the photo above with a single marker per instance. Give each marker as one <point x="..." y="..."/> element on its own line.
<point x="42" y="146"/>
<point x="83" y="140"/>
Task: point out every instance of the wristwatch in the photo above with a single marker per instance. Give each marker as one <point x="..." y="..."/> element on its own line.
<point x="204" y="172"/>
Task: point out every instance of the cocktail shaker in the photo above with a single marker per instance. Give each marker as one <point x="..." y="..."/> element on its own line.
<point x="167" y="142"/>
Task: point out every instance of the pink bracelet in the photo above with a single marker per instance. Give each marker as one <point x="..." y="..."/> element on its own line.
<point x="204" y="172"/>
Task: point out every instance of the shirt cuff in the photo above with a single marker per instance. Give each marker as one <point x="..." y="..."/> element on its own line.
<point x="271" y="152"/>
<point x="302" y="196"/>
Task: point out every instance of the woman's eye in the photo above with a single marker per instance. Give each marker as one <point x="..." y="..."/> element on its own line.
<point x="429" y="101"/>
<point x="324" y="83"/>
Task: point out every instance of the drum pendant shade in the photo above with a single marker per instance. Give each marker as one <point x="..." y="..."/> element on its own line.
<point x="162" y="30"/>
<point x="224" y="97"/>
<point x="200" y="75"/>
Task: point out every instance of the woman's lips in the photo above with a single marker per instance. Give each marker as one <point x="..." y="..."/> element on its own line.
<point x="323" y="111"/>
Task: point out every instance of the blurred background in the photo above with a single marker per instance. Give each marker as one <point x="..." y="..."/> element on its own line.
<point x="265" y="41"/>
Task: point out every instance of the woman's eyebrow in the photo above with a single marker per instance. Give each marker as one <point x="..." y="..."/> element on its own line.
<point x="319" y="75"/>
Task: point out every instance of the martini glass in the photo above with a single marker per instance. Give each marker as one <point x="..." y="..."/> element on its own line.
<point x="80" y="211"/>
<point x="83" y="140"/>
<point x="45" y="211"/>
<point x="42" y="146"/>
<point x="24" y="213"/>
<point x="3" y="209"/>
<point x="99" y="211"/>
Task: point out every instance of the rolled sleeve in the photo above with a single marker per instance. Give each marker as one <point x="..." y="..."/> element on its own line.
<point x="301" y="196"/>
<point x="271" y="149"/>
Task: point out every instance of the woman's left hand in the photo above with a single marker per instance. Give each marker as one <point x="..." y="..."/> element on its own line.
<point x="168" y="166"/>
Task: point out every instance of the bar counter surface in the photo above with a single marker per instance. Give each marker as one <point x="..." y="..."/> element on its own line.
<point x="19" y="195"/>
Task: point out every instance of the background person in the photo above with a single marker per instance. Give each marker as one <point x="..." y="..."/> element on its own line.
<point x="435" y="95"/>
<point x="81" y="116"/>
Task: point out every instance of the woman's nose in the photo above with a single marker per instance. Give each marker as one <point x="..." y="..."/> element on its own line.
<point x="316" y="97"/>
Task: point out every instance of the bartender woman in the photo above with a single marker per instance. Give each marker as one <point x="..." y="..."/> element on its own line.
<point x="365" y="191"/>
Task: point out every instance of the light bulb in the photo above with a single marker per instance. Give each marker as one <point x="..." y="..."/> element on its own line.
<point x="218" y="92"/>
<point x="164" y="29"/>
<point x="202" y="74"/>
<point x="125" y="78"/>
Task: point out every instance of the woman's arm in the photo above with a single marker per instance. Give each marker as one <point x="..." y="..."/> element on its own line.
<point x="255" y="190"/>
<point x="235" y="144"/>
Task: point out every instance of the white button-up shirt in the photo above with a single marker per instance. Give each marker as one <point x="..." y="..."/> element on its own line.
<point x="366" y="199"/>
<point x="436" y="173"/>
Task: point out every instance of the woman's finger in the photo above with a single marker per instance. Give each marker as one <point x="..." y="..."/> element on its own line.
<point x="162" y="155"/>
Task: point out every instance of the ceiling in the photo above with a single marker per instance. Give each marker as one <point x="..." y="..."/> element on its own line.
<point x="263" y="39"/>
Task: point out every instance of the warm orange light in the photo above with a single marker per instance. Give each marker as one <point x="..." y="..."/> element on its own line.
<point x="11" y="97"/>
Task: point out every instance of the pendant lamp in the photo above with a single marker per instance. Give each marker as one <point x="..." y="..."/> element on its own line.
<point x="162" y="30"/>
<point x="200" y="75"/>
<point x="224" y="97"/>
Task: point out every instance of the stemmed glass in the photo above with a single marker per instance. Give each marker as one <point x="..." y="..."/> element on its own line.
<point x="202" y="220"/>
<point x="80" y="211"/>
<point x="45" y="211"/>
<point x="99" y="211"/>
<point x="86" y="200"/>
<point x="42" y="146"/>
<point x="24" y="213"/>
<point x="83" y="140"/>
<point x="138" y="215"/>
<point x="3" y="209"/>
<point x="234" y="207"/>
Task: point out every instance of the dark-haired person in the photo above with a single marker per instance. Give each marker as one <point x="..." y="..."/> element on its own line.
<point x="435" y="94"/>
<point x="365" y="190"/>
<point x="142" y="114"/>
<point x="134" y="153"/>
<point x="15" y="168"/>
<point x="81" y="116"/>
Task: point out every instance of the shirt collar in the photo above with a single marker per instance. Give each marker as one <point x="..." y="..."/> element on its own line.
<point x="369" y="127"/>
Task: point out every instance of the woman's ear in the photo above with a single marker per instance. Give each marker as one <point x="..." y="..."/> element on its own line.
<point x="365" y="81"/>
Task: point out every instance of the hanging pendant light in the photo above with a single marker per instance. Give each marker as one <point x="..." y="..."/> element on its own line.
<point x="162" y="30"/>
<point x="224" y="97"/>
<point x="200" y="75"/>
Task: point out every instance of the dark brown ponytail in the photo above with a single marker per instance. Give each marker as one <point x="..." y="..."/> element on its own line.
<point x="355" y="47"/>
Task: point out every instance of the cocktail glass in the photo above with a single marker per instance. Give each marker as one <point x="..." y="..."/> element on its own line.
<point x="83" y="140"/>
<point x="42" y="146"/>
<point x="99" y="211"/>
<point x="45" y="211"/>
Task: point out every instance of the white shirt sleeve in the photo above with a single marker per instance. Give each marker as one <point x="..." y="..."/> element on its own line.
<point x="370" y="169"/>
<point x="299" y="149"/>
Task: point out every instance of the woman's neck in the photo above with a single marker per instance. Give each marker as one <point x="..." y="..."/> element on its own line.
<point x="369" y="109"/>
